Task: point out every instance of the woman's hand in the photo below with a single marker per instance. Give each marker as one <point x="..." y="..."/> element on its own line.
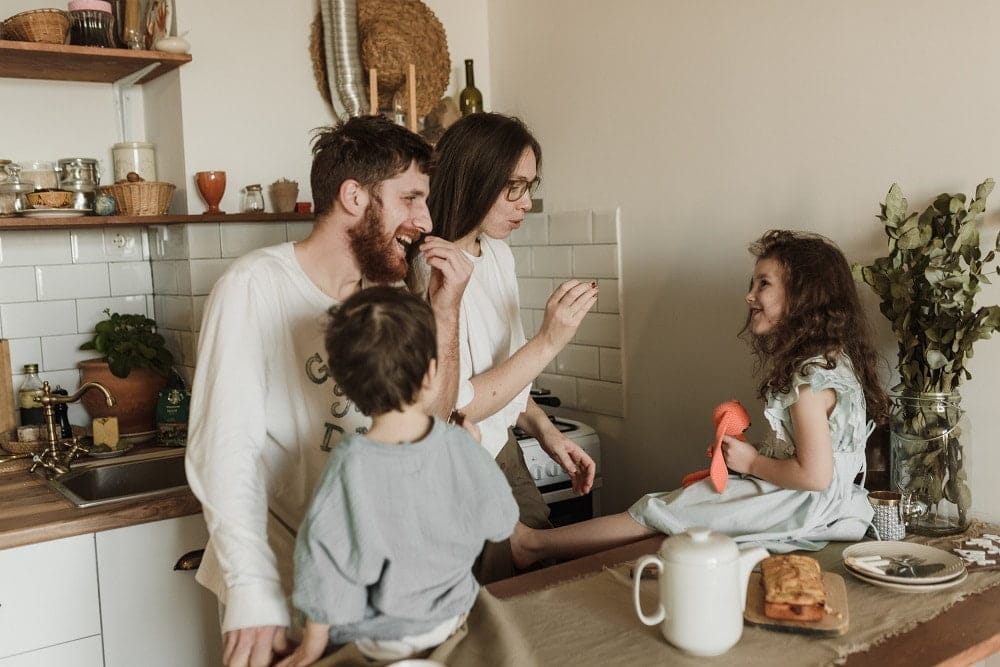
<point x="450" y="272"/>
<point x="739" y="454"/>
<point x="565" y="310"/>
<point x="576" y="462"/>
<point x="253" y="647"/>
<point x="311" y="649"/>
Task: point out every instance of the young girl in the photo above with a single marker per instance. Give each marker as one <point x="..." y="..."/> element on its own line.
<point x="796" y="491"/>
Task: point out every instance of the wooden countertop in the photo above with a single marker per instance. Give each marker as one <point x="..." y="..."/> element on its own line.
<point x="31" y="512"/>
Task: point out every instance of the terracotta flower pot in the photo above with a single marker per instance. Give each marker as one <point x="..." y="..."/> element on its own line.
<point x="135" y="396"/>
<point x="283" y="196"/>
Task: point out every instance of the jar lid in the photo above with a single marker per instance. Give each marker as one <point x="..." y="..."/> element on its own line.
<point x="17" y="186"/>
<point x="133" y="144"/>
<point x="95" y="5"/>
<point x="31" y="368"/>
<point x="76" y="160"/>
<point x="254" y="186"/>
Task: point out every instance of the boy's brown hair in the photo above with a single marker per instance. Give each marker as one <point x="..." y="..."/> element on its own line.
<point x="380" y="343"/>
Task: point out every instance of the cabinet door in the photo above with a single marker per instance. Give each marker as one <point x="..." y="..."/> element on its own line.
<point x="48" y="594"/>
<point x="152" y="614"/>
<point x="81" y="653"/>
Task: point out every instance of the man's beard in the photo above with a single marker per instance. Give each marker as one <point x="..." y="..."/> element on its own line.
<point x="374" y="249"/>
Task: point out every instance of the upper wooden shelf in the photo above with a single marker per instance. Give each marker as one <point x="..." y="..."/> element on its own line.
<point x="64" y="62"/>
<point x="112" y="220"/>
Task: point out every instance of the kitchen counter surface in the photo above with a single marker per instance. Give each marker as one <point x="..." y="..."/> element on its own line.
<point x="32" y="512"/>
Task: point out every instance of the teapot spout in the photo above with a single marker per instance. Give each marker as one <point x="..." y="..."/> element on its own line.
<point x="749" y="557"/>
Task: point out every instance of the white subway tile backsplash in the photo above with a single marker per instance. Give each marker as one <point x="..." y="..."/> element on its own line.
<point x="130" y="278"/>
<point x="164" y="275"/>
<point x="188" y="350"/>
<point x="606" y="226"/>
<point x="601" y="397"/>
<point x="124" y="244"/>
<point x="17" y="284"/>
<point x="599" y="261"/>
<point x="38" y="318"/>
<point x="174" y="312"/>
<point x="611" y="364"/>
<point x="534" y="292"/>
<point x="198" y="310"/>
<point x="579" y="361"/>
<point x="27" y="248"/>
<point x="204" y="240"/>
<point x="522" y="260"/>
<point x="554" y="261"/>
<point x="72" y="281"/>
<point x="87" y="245"/>
<point x="534" y="231"/>
<point x="529" y="321"/>
<point x="205" y="272"/>
<point x="91" y="311"/>
<point x="297" y="231"/>
<point x="240" y="238"/>
<point x="63" y="352"/>
<point x="168" y="241"/>
<point x="561" y="386"/>
<point x="570" y="227"/>
<point x="607" y="296"/>
<point x="603" y="329"/>
<point x="25" y="351"/>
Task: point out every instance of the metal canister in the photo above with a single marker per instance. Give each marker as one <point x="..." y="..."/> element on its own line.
<point x="80" y="175"/>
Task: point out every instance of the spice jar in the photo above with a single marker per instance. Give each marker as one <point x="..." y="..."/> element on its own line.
<point x="253" y="199"/>
<point x="30" y="389"/>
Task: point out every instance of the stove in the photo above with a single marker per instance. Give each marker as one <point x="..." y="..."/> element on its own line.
<point x="552" y="480"/>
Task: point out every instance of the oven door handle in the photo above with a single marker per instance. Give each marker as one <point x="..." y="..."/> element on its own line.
<point x="559" y="495"/>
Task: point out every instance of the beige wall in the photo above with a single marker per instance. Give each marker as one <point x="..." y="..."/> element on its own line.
<point x="709" y="122"/>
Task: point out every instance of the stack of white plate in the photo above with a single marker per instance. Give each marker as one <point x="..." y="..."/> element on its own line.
<point x="904" y="566"/>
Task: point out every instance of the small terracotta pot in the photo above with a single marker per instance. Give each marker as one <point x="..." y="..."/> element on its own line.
<point x="283" y="196"/>
<point x="135" y="396"/>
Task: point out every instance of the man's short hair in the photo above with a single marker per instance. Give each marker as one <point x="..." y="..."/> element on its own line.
<point x="368" y="149"/>
<point x="379" y="343"/>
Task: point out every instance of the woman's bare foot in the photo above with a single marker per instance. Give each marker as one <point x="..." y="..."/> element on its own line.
<point x="522" y="546"/>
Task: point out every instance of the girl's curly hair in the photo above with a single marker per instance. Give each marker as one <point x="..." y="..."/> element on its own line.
<point x="823" y="317"/>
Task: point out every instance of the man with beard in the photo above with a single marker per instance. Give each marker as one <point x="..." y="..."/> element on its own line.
<point x="265" y="411"/>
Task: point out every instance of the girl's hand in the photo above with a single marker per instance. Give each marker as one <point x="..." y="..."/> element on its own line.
<point x="314" y="641"/>
<point x="739" y="454"/>
<point x="565" y="310"/>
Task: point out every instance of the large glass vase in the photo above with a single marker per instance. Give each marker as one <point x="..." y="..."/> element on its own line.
<point x="930" y="438"/>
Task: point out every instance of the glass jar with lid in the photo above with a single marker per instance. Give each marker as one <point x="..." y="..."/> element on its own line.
<point x="253" y="199"/>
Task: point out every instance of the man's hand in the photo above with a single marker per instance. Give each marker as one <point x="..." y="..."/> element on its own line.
<point x="311" y="649"/>
<point x="450" y="272"/>
<point x="576" y="462"/>
<point x="253" y="647"/>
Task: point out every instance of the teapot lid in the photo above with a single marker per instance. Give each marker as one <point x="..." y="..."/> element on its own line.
<point x="699" y="546"/>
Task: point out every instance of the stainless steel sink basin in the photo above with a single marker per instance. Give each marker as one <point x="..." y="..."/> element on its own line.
<point x="116" y="482"/>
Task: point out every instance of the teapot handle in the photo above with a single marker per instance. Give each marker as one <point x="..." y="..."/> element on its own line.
<point x="640" y="565"/>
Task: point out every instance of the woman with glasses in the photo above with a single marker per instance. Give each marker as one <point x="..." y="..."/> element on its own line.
<point x="486" y="171"/>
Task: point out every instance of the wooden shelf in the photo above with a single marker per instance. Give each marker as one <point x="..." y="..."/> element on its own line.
<point x="63" y="62"/>
<point x="20" y="222"/>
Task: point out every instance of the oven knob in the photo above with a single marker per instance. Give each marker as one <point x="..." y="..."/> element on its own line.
<point x="553" y="470"/>
<point x="537" y="473"/>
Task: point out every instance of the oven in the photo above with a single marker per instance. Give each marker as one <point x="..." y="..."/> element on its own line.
<point x="565" y="507"/>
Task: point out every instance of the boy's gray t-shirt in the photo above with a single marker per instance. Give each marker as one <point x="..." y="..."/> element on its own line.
<point x="387" y="546"/>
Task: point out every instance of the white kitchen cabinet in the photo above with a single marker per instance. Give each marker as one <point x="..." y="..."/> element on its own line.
<point x="152" y="614"/>
<point x="48" y="596"/>
<point x="80" y="653"/>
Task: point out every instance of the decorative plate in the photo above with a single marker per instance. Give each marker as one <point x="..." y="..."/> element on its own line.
<point x="910" y="588"/>
<point x="53" y="213"/>
<point x="121" y="451"/>
<point x="921" y="555"/>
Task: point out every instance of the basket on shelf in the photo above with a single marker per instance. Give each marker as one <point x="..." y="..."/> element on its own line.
<point x="141" y="197"/>
<point x="49" y="26"/>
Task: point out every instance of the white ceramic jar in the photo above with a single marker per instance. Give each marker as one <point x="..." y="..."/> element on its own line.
<point x="137" y="156"/>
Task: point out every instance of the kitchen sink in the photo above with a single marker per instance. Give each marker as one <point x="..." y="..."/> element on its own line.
<point x="116" y="482"/>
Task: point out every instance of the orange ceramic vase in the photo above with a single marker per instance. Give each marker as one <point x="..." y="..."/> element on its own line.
<point x="211" y="185"/>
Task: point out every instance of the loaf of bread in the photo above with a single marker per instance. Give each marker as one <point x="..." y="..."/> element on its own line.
<point x="793" y="588"/>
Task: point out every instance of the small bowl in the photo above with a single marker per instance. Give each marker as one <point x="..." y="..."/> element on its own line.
<point x="50" y="198"/>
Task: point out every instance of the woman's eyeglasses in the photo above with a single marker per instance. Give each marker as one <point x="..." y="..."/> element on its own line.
<point x="517" y="187"/>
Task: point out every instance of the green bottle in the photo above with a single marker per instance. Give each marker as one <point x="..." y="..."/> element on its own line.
<point x="470" y="100"/>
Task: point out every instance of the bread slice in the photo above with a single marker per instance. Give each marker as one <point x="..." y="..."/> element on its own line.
<point x="793" y="588"/>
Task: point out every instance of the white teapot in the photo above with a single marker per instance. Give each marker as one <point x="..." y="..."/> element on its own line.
<point x="703" y="590"/>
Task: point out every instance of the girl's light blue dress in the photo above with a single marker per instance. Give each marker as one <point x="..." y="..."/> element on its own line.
<point x="753" y="511"/>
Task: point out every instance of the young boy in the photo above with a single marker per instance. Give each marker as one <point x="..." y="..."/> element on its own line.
<point x="384" y="555"/>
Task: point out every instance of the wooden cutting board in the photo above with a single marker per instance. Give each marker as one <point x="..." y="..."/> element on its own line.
<point x="834" y="623"/>
<point x="7" y="419"/>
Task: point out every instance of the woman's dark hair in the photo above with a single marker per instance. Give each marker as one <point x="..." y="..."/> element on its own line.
<point x="823" y="317"/>
<point x="368" y="149"/>
<point x="379" y="343"/>
<point x="474" y="160"/>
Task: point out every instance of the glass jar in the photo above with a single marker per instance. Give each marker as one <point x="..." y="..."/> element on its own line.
<point x="30" y="389"/>
<point x="930" y="436"/>
<point x="253" y="199"/>
<point x="91" y="23"/>
<point x="134" y="156"/>
<point x="41" y="173"/>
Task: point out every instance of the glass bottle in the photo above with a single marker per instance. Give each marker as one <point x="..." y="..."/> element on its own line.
<point x="31" y="410"/>
<point x="130" y="33"/>
<point x="470" y="100"/>
<point x="253" y="199"/>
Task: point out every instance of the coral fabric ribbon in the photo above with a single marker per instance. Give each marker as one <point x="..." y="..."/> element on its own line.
<point x="730" y="419"/>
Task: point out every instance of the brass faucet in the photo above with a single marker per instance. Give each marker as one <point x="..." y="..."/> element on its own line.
<point x="57" y="462"/>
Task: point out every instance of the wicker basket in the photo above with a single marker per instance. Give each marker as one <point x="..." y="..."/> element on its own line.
<point x="48" y="26"/>
<point x="141" y="198"/>
<point x="10" y="444"/>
